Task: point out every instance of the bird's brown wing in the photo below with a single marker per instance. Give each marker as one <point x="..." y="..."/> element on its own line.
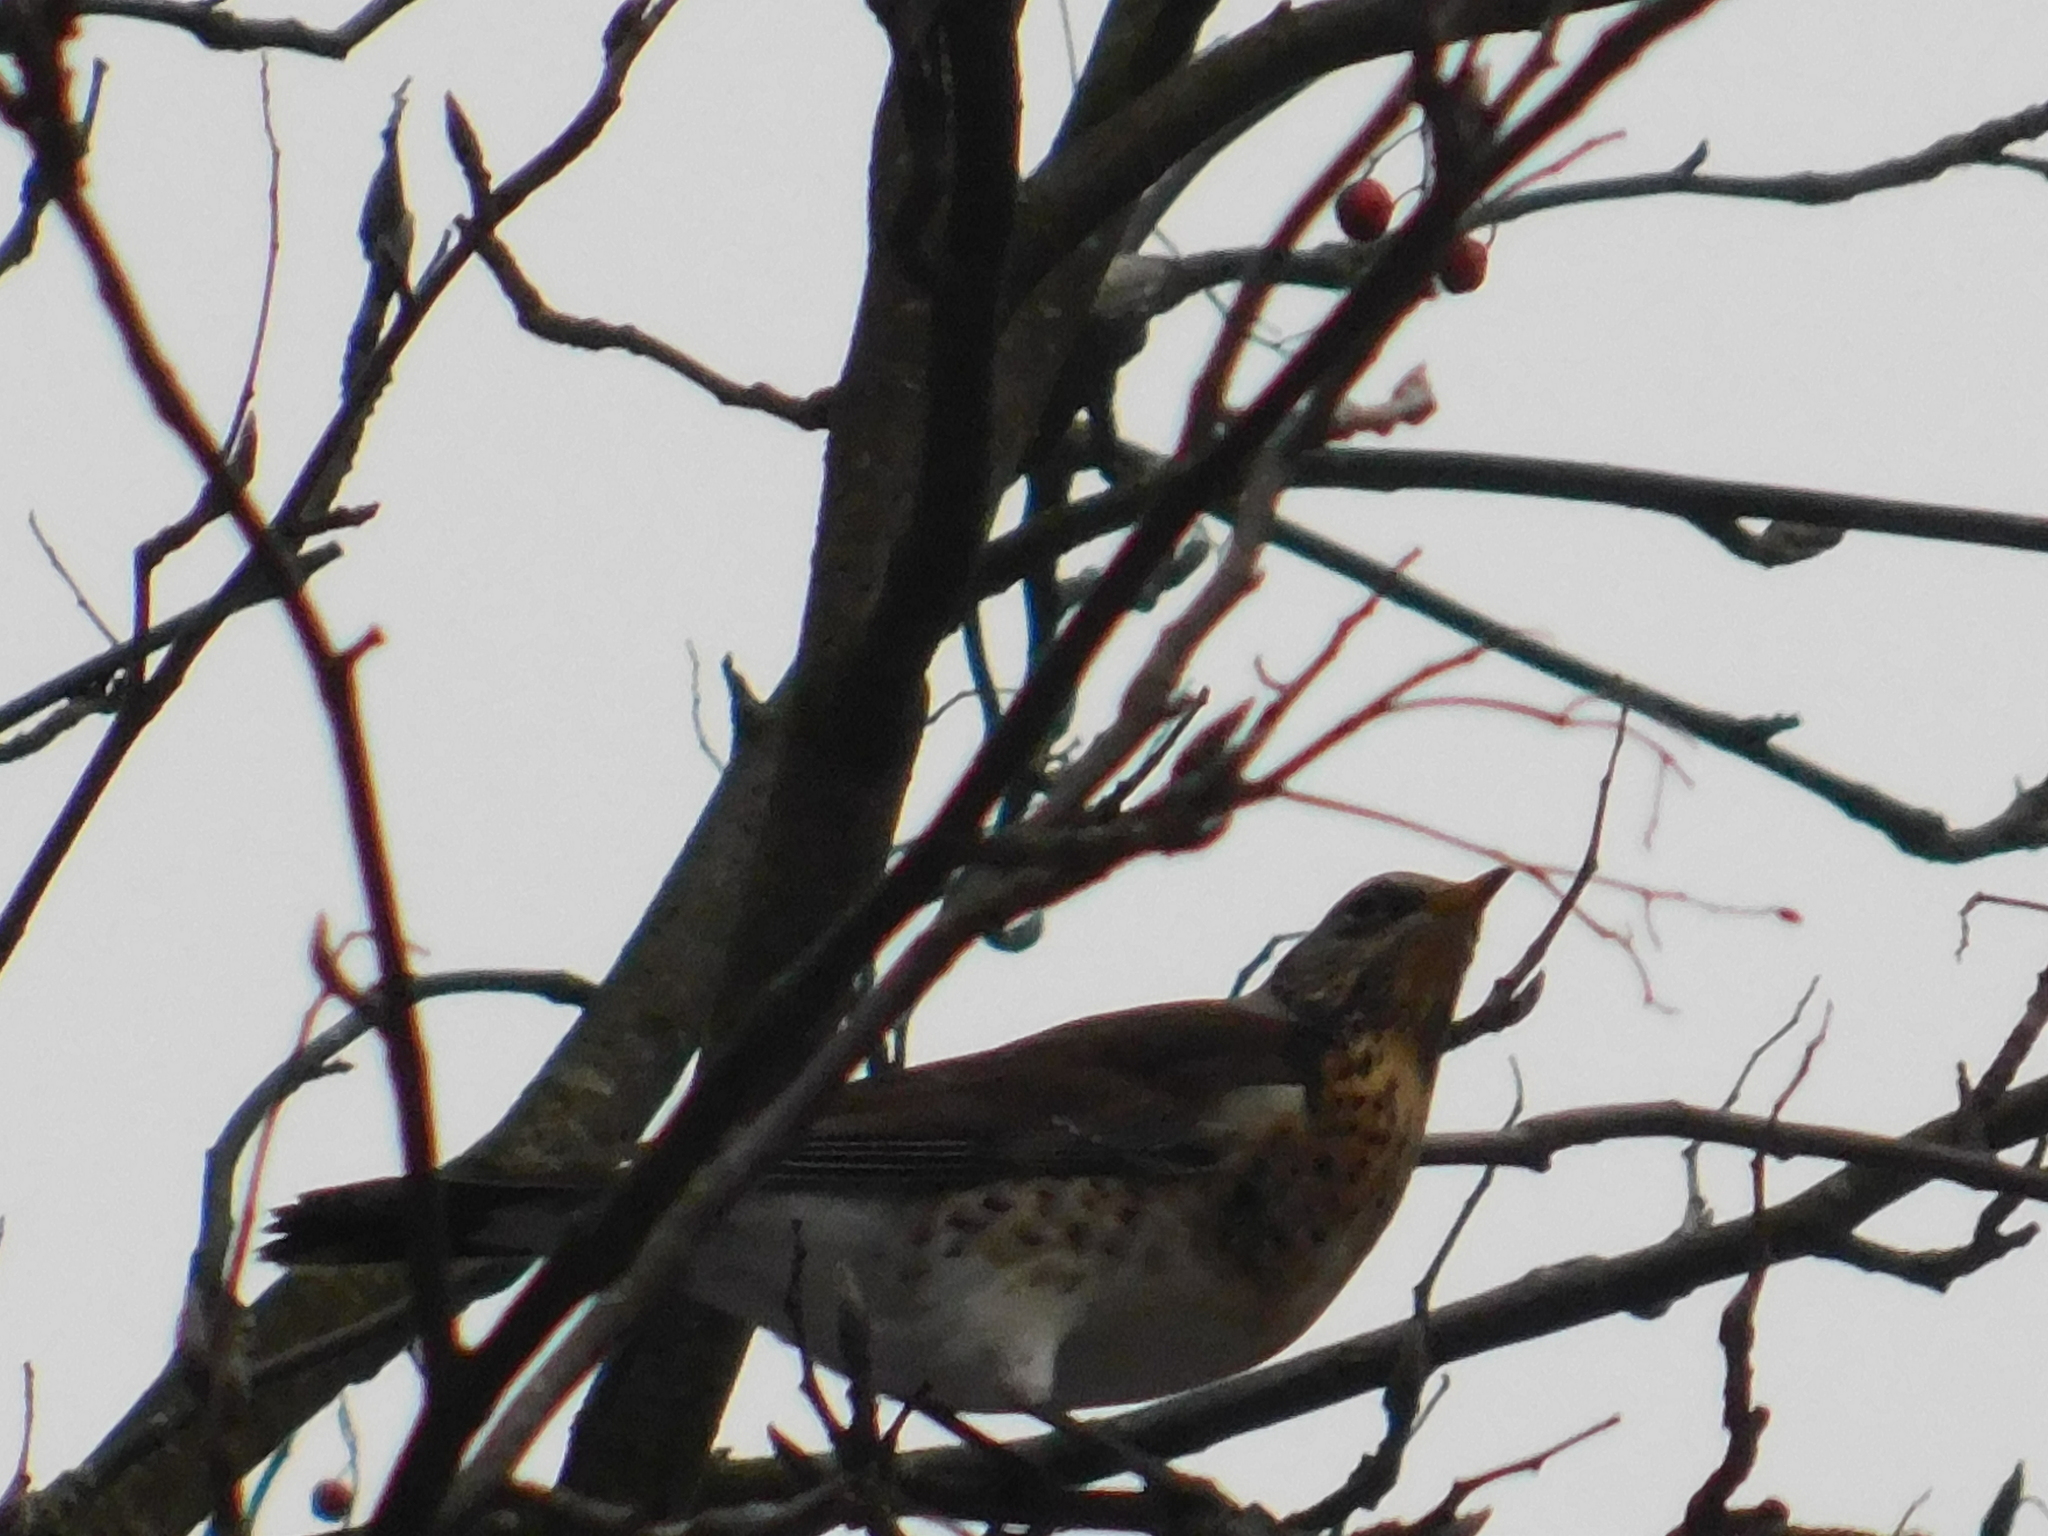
<point x="1148" y="1092"/>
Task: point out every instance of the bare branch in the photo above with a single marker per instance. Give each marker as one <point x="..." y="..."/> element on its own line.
<point x="71" y="582"/>
<point x="2012" y="1054"/>
<point x="1533" y="1142"/>
<point x="810" y="412"/>
<point x="1988" y="899"/>
<point x="88" y="684"/>
<point x="1920" y="832"/>
<point x="240" y="421"/>
<point x="1934" y="1269"/>
<point x="1709" y="504"/>
<point x="1986" y="144"/>
<point x="215" y="26"/>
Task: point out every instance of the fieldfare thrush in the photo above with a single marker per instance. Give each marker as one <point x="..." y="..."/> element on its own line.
<point x="1118" y="1208"/>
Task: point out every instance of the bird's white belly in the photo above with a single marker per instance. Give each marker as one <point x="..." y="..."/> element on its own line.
<point x="1043" y="1295"/>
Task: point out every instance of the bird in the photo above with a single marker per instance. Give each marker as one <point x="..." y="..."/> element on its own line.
<point x="1114" y="1209"/>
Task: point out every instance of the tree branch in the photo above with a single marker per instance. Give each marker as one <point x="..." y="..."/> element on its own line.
<point x="1986" y="144"/>
<point x="1922" y="833"/>
<point x="210" y="23"/>
<point x="551" y="324"/>
<point x="1697" y="499"/>
<point x="1533" y="1142"/>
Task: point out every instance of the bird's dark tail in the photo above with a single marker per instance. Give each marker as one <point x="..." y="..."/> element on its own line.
<point x="371" y="1223"/>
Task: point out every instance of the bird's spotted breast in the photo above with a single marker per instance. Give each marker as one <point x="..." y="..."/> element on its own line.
<point x="1268" y="1237"/>
<point x="1306" y="1203"/>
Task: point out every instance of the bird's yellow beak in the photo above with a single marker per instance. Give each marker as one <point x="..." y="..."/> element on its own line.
<point x="1470" y="898"/>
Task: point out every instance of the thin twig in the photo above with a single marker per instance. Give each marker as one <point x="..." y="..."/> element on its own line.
<point x="1697" y="1212"/>
<point x="90" y="681"/>
<point x="1514" y="994"/>
<point x="711" y="753"/>
<point x="245" y="398"/>
<point x="535" y="314"/>
<point x="1987" y="899"/>
<point x="1425" y="1288"/>
<point x="64" y="575"/>
<point x="1985" y="144"/>
<point x="1465" y="1487"/>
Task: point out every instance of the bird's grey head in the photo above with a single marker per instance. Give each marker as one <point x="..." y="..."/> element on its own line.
<point x="1396" y="945"/>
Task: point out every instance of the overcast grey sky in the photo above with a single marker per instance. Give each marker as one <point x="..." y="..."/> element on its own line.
<point x="556" y="528"/>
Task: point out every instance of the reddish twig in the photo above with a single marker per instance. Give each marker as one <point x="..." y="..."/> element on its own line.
<point x="1446" y="1510"/>
<point x="1351" y="724"/>
<point x="1506" y="1001"/>
<point x="1207" y="399"/>
<point x="1570" y="717"/>
<point x="1332" y="647"/>
<point x="1987" y="899"/>
<point x="1539" y="61"/>
<point x="1707" y="1512"/>
<point x="1562" y="163"/>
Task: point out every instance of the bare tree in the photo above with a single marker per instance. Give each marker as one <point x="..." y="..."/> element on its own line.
<point x="972" y="448"/>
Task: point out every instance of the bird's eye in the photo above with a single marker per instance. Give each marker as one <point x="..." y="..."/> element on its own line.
<point x="1380" y="904"/>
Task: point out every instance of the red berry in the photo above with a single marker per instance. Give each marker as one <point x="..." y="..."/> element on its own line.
<point x="1365" y="209"/>
<point x="332" y="1499"/>
<point x="1465" y="266"/>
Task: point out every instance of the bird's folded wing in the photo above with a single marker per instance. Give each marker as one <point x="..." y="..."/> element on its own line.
<point x="1149" y="1093"/>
